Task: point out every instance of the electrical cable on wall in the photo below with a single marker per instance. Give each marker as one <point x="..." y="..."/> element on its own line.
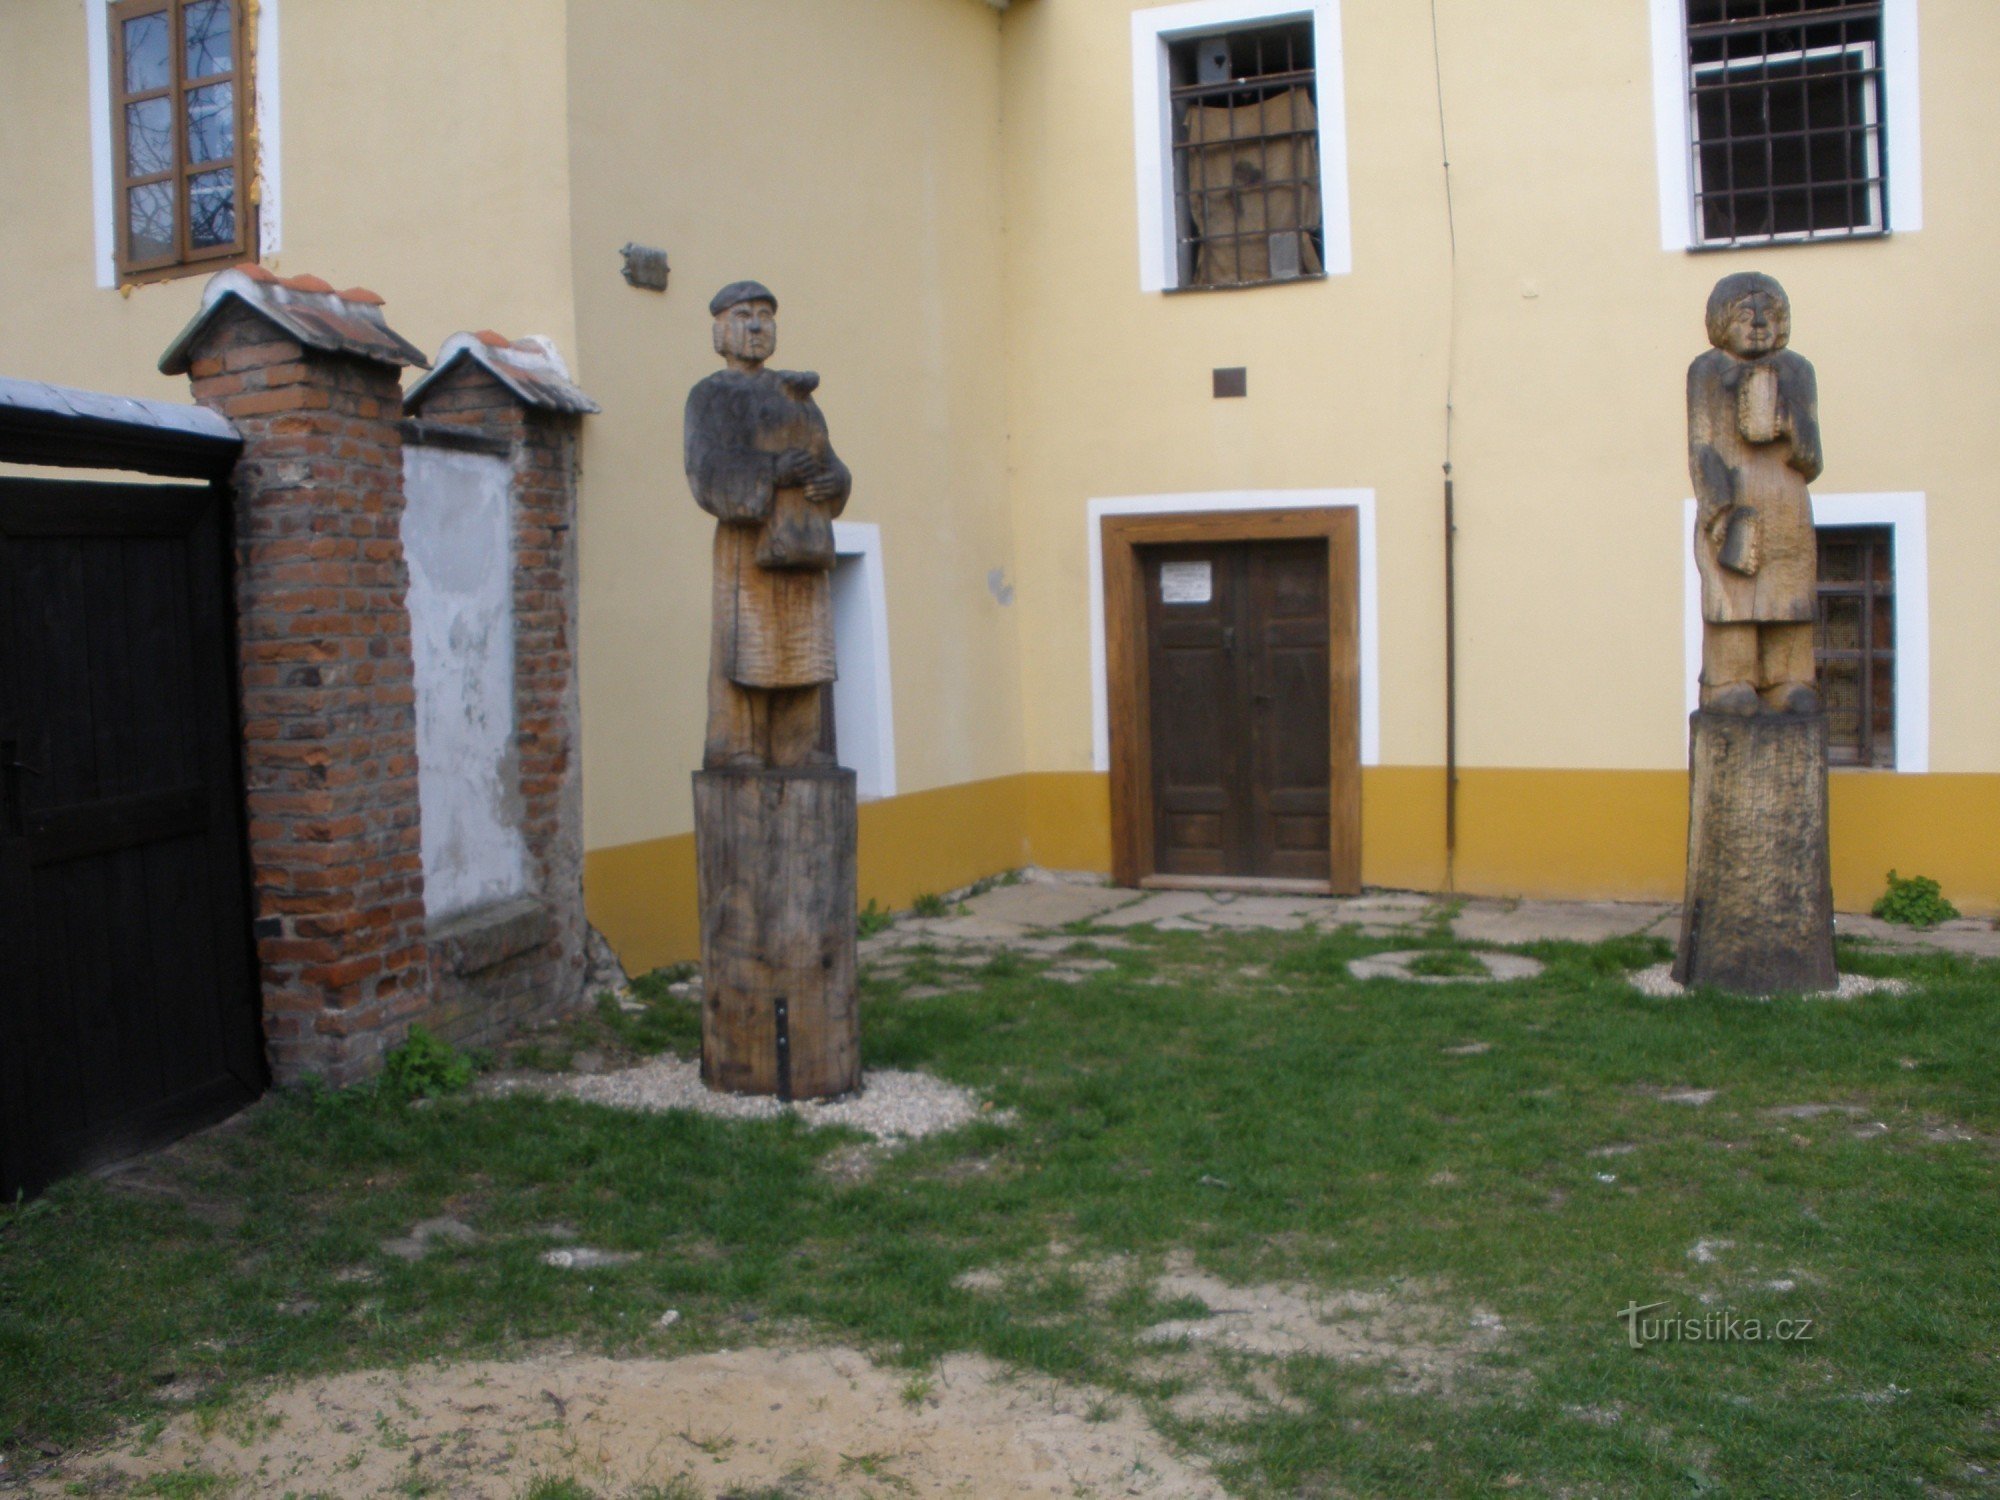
<point x="1450" y="516"/>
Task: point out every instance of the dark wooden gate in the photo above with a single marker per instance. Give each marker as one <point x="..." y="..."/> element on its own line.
<point x="130" y="1005"/>
<point x="1237" y="639"/>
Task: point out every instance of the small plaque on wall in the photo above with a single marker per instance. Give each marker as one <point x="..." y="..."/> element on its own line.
<point x="1186" y="583"/>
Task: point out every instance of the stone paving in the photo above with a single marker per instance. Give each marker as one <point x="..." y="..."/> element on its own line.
<point x="1024" y="917"/>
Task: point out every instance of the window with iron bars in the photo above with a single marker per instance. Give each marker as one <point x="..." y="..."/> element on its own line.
<point x="1246" y="156"/>
<point x="1854" y="644"/>
<point x="1786" y="103"/>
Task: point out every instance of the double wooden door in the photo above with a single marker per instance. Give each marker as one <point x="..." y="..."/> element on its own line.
<point x="128" y="990"/>
<point x="1238" y="680"/>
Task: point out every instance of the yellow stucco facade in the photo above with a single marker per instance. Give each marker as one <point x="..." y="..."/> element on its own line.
<point x="945" y="197"/>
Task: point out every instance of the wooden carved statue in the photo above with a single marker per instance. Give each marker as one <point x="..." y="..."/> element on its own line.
<point x="1753" y="446"/>
<point x="774" y="815"/>
<point x="759" y="461"/>
<point x="1757" y="918"/>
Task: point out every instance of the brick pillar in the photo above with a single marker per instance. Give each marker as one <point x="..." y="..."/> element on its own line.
<point x="329" y="723"/>
<point x="523" y="960"/>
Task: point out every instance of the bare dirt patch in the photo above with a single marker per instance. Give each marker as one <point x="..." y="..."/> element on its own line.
<point x="1414" y="1337"/>
<point x="812" y="1423"/>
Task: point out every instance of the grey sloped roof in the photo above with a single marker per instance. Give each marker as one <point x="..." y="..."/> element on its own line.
<point x="307" y="308"/>
<point x="531" y="368"/>
<point x="55" y="424"/>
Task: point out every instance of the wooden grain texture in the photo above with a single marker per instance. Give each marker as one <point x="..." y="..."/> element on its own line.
<point x="775" y="851"/>
<point x="1133" y="816"/>
<point x="1758" y="918"/>
<point x="130" y="1010"/>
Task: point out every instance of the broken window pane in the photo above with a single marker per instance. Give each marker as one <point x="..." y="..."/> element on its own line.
<point x="146" y="58"/>
<point x="212" y="209"/>
<point x="211" y="123"/>
<point x="209" y="41"/>
<point x="149" y="220"/>
<point x="149" y="137"/>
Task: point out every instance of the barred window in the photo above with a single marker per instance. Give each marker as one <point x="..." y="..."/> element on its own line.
<point x="1246" y="156"/>
<point x="178" y="86"/>
<point x="1854" y="643"/>
<point x="1786" y="104"/>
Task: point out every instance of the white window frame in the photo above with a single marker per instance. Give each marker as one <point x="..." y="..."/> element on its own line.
<point x="104" y="177"/>
<point x="1909" y="552"/>
<point x="1674" y="130"/>
<point x="862" y="658"/>
<point x="1361" y="502"/>
<point x="1871" y="147"/>
<point x="1153" y="124"/>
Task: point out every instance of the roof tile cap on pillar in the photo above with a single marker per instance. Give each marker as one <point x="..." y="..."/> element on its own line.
<point x="530" y="367"/>
<point x="306" y="308"/>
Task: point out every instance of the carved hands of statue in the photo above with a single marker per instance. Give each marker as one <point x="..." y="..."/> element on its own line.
<point x="824" y="487"/>
<point x="795" y="467"/>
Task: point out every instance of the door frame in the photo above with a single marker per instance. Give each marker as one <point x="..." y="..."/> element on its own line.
<point x="1129" y="688"/>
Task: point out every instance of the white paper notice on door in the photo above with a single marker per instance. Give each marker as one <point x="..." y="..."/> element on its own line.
<point x="1186" y="583"/>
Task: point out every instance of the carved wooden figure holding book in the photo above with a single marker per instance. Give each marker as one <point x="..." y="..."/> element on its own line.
<point x="774" y="816"/>
<point x="758" y="460"/>
<point x="1753" y="446"/>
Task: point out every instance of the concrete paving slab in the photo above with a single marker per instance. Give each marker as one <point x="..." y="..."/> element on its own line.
<point x="1973" y="936"/>
<point x="1499" y="966"/>
<point x="1160" y="906"/>
<point x="970" y="929"/>
<point x="1553" y="921"/>
<point x="1237" y="920"/>
<point x="1047" y="904"/>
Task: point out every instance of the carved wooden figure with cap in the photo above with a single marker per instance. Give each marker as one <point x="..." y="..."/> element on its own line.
<point x="774" y="814"/>
<point x="759" y="461"/>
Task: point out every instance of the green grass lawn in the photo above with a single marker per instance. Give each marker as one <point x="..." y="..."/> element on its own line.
<point x="1231" y="1099"/>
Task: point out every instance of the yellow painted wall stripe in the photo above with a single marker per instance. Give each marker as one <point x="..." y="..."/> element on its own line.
<point x="1571" y="835"/>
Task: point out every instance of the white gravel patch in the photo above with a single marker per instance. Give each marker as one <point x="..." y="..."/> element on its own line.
<point x="892" y="1105"/>
<point x="1659" y="982"/>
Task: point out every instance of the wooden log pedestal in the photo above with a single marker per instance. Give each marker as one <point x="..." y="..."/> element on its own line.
<point x="775" y="851"/>
<point x="1758" y="917"/>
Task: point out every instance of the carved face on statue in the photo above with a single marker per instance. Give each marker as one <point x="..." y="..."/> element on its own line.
<point x="1749" y="315"/>
<point x="746" y="334"/>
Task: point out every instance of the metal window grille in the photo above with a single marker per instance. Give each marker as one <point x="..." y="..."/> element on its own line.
<point x="1246" y="156"/>
<point x="1854" y="644"/>
<point x="1785" y="97"/>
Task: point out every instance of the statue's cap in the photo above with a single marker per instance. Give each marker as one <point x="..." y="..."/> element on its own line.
<point x="739" y="291"/>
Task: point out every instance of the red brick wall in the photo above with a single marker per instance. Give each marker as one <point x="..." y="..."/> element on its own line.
<point x="328" y="702"/>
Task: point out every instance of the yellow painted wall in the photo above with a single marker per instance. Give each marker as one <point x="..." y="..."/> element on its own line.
<point x="424" y="155"/>
<point x="642" y="895"/>
<point x="848" y="156"/>
<point x="1571" y="328"/>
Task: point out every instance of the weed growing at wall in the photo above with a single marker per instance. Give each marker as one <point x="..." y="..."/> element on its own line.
<point x="1914" y="901"/>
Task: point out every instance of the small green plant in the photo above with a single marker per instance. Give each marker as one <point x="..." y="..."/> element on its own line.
<point x="1917" y="901"/>
<point x="930" y="904"/>
<point x="423" y="1066"/>
<point x="1448" y="963"/>
<point x="872" y="919"/>
<point x="551" y="1487"/>
<point x="917" y="1390"/>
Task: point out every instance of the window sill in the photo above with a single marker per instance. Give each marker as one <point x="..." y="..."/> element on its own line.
<point x="185" y="269"/>
<point x="1788" y="241"/>
<point x="1245" y="286"/>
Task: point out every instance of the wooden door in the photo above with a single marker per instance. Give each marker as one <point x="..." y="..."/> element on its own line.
<point x="129" y="1012"/>
<point x="1237" y="640"/>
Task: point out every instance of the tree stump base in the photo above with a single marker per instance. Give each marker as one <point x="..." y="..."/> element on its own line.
<point x="775" y="852"/>
<point x="1758" y="917"/>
